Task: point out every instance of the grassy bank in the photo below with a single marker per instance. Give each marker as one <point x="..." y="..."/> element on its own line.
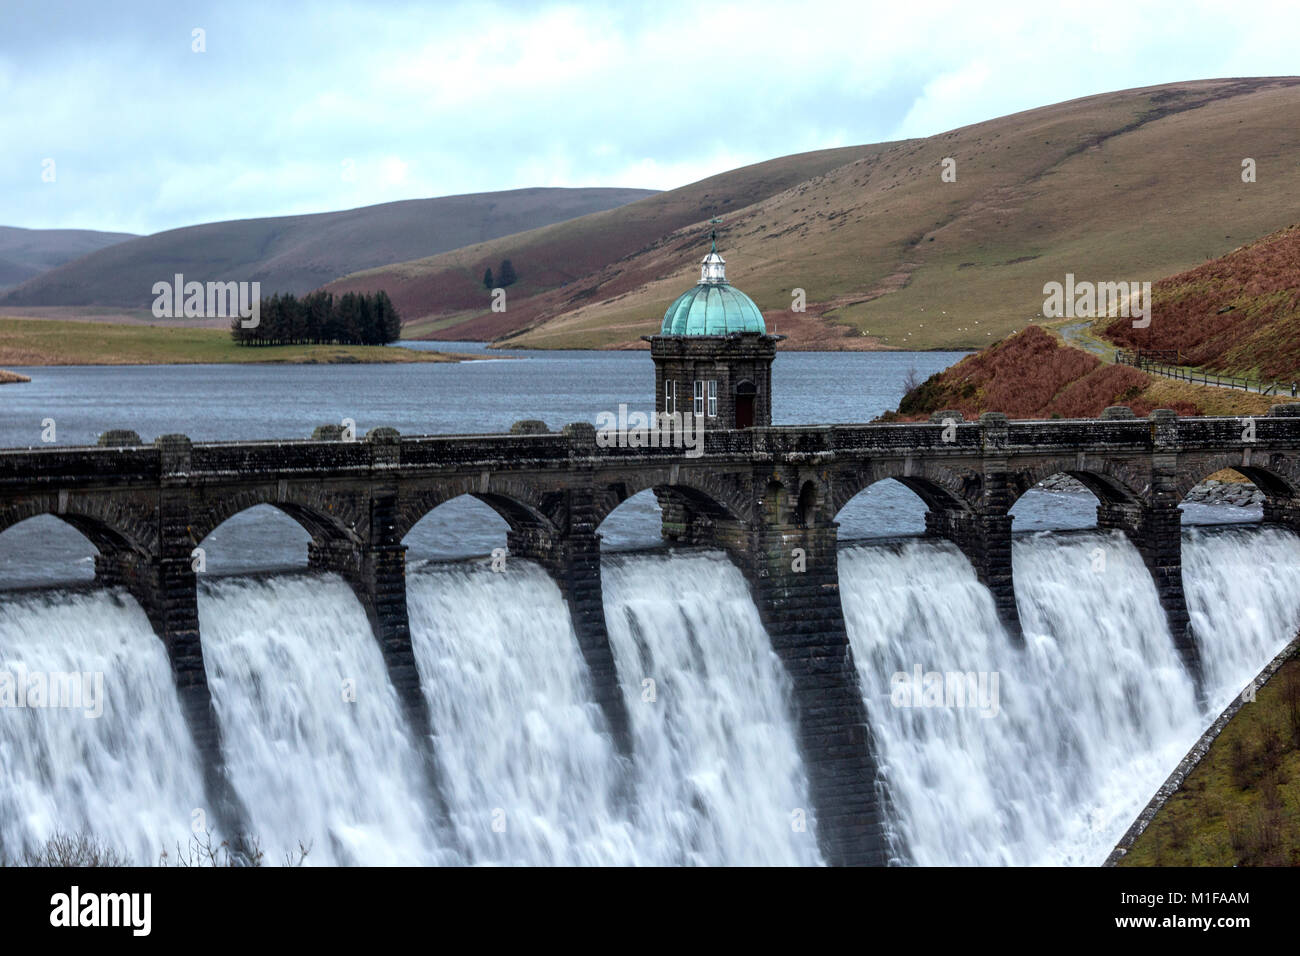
<point x="26" y="342"/>
<point x="1241" y="805"/>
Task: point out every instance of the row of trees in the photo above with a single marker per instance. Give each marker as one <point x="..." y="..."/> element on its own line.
<point x="505" y="276"/>
<point x="321" y="318"/>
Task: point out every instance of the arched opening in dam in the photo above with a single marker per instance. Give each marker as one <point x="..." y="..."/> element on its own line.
<point x="459" y="528"/>
<point x="45" y="548"/>
<point x="883" y="508"/>
<point x="259" y="539"/>
<point x="635" y="524"/>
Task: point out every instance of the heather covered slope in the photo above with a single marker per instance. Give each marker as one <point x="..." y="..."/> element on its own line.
<point x="1133" y="185"/>
<point x="1239" y="313"/>
<point x="28" y="252"/>
<point x="1032" y="375"/>
<point x="299" y="253"/>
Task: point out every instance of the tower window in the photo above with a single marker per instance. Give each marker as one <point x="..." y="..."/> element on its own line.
<point x="713" y="398"/>
<point x="670" y="397"/>
<point x="699" y="396"/>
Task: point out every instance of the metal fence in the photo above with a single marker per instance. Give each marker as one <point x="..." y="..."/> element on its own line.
<point x="1156" y="361"/>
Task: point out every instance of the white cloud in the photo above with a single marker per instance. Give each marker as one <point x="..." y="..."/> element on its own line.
<point x="436" y="99"/>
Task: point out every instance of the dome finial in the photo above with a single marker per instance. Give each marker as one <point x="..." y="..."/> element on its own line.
<point x="713" y="268"/>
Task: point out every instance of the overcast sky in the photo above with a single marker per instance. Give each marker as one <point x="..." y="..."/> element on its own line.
<point x="328" y="105"/>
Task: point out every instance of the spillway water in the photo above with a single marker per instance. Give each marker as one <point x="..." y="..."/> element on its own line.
<point x="718" y="774"/>
<point x="1243" y="594"/>
<point x="129" y="776"/>
<point x="315" y="742"/>
<point x="526" y="760"/>
<point x="1087" y="721"/>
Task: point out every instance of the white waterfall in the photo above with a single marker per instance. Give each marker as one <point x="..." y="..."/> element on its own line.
<point x="1051" y="766"/>
<point x="1090" y="717"/>
<point x="1243" y="594"/>
<point x="718" y="774"/>
<point x="316" y="744"/>
<point x="525" y="761"/>
<point x="129" y="777"/>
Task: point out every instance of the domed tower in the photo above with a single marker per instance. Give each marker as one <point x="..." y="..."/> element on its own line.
<point x="713" y="356"/>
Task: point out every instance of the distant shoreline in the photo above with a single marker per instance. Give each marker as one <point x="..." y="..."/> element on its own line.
<point x="33" y="343"/>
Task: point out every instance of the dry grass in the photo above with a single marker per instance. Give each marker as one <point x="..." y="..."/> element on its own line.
<point x="44" y="342"/>
<point x="1166" y="393"/>
<point x="1241" y="805"/>
<point x="299" y="253"/>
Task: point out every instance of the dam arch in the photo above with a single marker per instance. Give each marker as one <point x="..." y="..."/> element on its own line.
<point x="1277" y="476"/>
<point x="109" y="523"/>
<point x="283" y="542"/>
<point x="323" y="517"/>
<point x="56" y="545"/>
<point x="888" y="502"/>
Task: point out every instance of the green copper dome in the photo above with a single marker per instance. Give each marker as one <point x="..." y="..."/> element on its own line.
<point x="714" y="306"/>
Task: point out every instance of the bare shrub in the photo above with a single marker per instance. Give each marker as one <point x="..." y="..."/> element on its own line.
<point x="1238" y="832"/>
<point x="1272" y="749"/>
<point x="1179" y="833"/>
<point x="1291" y="695"/>
<point x="85" y="850"/>
<point x="1239" y="763"/>
<point x="242" y="851"/>
<point x="75" y="850"/>
<point x="1266" y="838"/>
<point x="1270" y="795"/>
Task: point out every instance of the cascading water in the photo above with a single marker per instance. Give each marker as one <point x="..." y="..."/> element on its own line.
<point x="526" y="764"/>
<point x="1088" y="720"/>
<point x="1084" y="724"/>
<point x="718" y="775"/>
<point x="315" y="741"/>
<point x="1243" y="595"/>
<point x="130" y="778"/>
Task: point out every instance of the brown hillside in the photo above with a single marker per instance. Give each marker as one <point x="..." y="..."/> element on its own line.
<point x="298" y="253"/>
<point x="1032" y="375"/>
<point x="1138" y="184"/>
<point x="1239" y="313"/>
<point x="575" y="258"/>
<point x="28" y="252"/>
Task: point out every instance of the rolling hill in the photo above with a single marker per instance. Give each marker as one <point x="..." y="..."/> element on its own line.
<point x="28" y="252"/>
<point x="299" y="253"/>
<point x="573" y="259"/>
<point x="1132" y="185"/>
